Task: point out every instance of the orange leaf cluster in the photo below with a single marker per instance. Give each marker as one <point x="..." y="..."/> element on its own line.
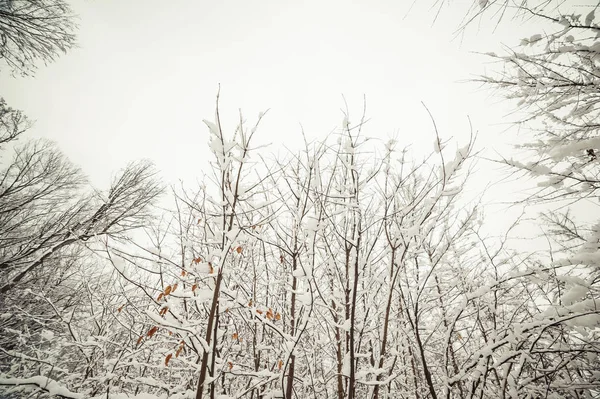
<point x="139" y="340"/>
<point x="270" y="315"/>
<point x="183" y="273"/>
<point x="164" y="311"/>
<point x="194" y="287"/>
<point x="152" y="331"/>
<point x="120" y="308"/>
<point x="169" y="356"/>
<point x="169" y="289"/>
<point x="280" y="364"/>
<point x="230" y="365"/>
<point x="197" y="260"/>
<point x="181" y="346"/>
<point x="239" y="250"/>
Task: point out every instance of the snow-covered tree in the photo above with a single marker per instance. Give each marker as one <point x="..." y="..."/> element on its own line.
<point x="332" y="264"/>
<point x="50" y="222"/>
<point x="553" y="78"/>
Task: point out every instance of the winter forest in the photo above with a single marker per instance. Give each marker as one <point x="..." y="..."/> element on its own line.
<point x="353" y="268"/>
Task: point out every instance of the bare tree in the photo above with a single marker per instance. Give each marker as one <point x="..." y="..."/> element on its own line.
<point x="44" y="208"/>
<point x="34" y="30"/>
<point x="49" y="223"/>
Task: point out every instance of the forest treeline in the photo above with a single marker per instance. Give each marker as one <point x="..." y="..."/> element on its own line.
<point x="345" y="270"/>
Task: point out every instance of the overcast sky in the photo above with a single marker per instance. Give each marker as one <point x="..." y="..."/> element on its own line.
<point x="146" y="73"/>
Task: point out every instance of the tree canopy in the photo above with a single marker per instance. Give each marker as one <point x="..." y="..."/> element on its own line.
<point x="349" y="269"/>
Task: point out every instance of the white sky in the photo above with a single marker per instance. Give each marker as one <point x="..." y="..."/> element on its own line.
<point x="146" y="74"/>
